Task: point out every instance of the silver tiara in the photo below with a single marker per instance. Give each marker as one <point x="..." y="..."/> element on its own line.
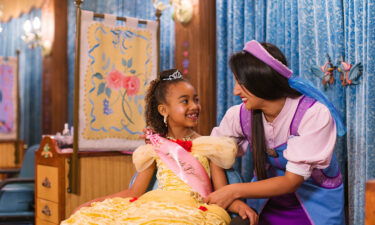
<point x="174" y="76"/>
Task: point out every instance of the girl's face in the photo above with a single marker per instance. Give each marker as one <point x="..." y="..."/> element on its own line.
<point x="250" y="100"/>
<point x="182" y="105"/>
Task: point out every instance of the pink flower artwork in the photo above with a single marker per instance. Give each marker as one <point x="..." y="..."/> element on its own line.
<point x="131" y="84"/>
<point x="115" y="79"/>
<point x="119" y="84"/>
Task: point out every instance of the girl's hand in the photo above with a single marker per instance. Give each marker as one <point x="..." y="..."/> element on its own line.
<point x="223" y="197"/>
<point x="244" y="211"/>
<point x="146" y="131"/>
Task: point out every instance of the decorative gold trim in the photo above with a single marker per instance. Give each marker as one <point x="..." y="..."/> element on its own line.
<point x="46" y="153"/>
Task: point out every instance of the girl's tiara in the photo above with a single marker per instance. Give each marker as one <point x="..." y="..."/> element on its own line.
<point x="174" y="76"/>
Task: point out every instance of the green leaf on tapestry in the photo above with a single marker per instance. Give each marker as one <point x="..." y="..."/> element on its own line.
<point x="130" y="63"/>
<point x="1" y="96"/>
<point x="98" y="75"/>
<point x="101" y="88"/>
<point x="123" y="61"/>
<point x="132" y="71"/>
<point x="108" y="92"/>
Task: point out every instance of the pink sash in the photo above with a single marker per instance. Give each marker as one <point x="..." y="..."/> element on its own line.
<point x="183" y="164"/>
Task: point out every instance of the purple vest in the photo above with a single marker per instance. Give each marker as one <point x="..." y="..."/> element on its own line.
<point x="322" y="195"/>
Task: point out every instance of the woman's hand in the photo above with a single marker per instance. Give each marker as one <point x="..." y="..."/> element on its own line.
<point x="223" y="197"/>
<point x="244" y="211"/>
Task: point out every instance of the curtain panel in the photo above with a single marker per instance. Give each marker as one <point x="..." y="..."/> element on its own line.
<point x="306" y="31"/>
<point x="359" y="19"/>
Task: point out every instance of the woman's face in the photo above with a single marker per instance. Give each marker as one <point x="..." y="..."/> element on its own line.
<point x="250" y="100"/>
<point x="182" y="105"/>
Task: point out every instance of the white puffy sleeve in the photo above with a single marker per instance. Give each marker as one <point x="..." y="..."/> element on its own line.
<point x="220" y="150"/>
<point x="314" y="146"/>
<point x="143" y="157"/>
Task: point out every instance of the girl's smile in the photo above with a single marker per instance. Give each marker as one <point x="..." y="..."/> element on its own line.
<point x="193" y="116"/>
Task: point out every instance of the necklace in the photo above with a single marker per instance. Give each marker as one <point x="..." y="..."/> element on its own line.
<point x="186" y="138"/>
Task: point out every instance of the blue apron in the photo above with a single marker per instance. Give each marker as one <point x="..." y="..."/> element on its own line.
<point x="322" y="195"/>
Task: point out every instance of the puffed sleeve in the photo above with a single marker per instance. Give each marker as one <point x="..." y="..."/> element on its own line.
<point x="230" y="126"/>
<point x="313" y="148"/>
<point x="143" y="157"/>
<point x="220" y="150"/>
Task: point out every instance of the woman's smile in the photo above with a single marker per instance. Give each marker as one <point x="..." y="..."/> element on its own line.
<point x="244" y="99"/>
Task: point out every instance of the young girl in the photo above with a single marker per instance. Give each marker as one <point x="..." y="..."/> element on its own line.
<point x="184" y="161"/>
<point x="292" y="137"/>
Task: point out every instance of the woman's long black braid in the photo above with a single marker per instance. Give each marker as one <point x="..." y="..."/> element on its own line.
<point x="156" y="95"/>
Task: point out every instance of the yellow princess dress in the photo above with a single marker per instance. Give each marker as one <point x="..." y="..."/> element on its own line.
<point x="174" y="201"/>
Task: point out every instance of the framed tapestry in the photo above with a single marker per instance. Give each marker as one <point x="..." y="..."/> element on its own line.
<point x="117" y="62"/>
<point x="9" y="102"/>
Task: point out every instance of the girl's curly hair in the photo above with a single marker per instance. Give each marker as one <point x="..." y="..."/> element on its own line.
<point x="155" y="96"/>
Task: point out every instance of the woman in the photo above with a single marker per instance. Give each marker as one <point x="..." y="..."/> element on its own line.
<point x="291" y="129"/>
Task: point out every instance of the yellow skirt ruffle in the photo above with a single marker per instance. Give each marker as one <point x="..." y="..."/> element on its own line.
<point x="154" y="207"/>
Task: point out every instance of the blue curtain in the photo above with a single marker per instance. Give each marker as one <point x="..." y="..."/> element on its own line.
<point x="30" y="76"/>
<point x="360" y="47"/>
<point x="142" y="9"/>
<point x="306" y="31"/>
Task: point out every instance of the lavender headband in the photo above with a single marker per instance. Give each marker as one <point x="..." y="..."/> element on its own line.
<point x="253" y="47"/>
